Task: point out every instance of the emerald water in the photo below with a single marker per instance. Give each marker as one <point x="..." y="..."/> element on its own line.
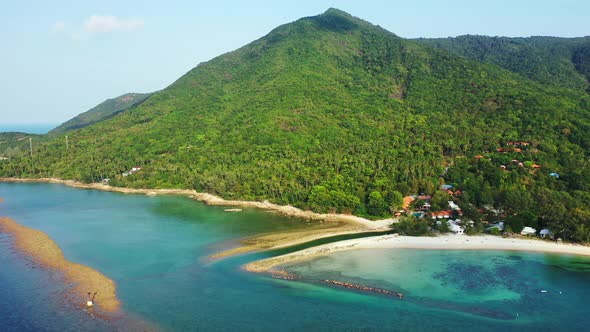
<point x="156" y="249"/>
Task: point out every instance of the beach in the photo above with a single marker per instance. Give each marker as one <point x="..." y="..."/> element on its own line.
<point x="162" y="244"/>
<point x="443" y="242"/>
<point x="288" y="239"/>
<point x="44" y="251"/>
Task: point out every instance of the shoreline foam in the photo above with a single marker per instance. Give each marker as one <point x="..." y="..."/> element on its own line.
<point x="444" y="242"/>
<point x="45" y="252"/>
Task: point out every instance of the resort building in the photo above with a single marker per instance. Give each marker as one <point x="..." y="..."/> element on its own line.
<point x="528" y="231"/>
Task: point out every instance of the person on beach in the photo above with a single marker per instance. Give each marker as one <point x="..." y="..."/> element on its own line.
<point x="90" y="301"/>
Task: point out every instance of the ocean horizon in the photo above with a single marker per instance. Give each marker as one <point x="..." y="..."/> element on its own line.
<point x="40" y="128"/>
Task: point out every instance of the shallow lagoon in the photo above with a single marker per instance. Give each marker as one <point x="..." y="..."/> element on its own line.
<point x="156" y="249"/>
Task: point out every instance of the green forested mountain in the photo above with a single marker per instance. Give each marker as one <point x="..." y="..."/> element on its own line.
<point x="563" y="62"/>
<point x="102" y="111"/>
<point x="332" y="113"/>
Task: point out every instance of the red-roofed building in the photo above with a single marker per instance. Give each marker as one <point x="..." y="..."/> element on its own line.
<point x="407" y="201"/>
<point x="441" y="214"/>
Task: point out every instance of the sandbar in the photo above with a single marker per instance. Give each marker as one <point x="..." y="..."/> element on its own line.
<point x="44" y="251"/>
<point x="287" y="239"/>
<point x="442" y="242"/>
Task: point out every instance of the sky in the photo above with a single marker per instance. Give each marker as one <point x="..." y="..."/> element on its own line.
<point x="59" y="58"/>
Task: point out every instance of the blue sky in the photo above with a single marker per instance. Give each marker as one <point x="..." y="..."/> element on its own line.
<point x="60" y="58"/>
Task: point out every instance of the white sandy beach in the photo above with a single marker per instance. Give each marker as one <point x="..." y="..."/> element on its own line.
<point x="443" y="242"/>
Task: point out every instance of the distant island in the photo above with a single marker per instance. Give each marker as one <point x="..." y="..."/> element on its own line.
<point x="335" y="115"/>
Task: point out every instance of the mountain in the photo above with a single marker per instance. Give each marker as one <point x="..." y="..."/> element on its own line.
<point x="101" y="112"/>
<point x="332" y="113"/>
<point x="563" y="62"/>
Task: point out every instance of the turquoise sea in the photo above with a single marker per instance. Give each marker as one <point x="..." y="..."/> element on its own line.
<point x="27" y="128"/>
<point x="156" y="249"/>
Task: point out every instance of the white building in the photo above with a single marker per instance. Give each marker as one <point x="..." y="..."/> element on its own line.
<point x="528" y="231"/>
<point x="454" y="206"/>
<point x="455" y="227"/>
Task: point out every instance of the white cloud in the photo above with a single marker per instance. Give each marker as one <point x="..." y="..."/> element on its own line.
<point x="108" y="23"/>
<point x="57" y="27"/>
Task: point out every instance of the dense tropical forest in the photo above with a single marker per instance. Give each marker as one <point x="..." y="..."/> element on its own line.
<point x="331" y="113"/>
<point x="563" y="62"/>
<point x="13" y="144"/>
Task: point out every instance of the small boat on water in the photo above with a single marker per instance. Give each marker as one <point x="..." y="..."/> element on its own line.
<point x="232" y="210"/>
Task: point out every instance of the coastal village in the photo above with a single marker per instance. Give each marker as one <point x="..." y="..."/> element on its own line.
<point x="449" y="217"/>
<point x="452" y="218"/>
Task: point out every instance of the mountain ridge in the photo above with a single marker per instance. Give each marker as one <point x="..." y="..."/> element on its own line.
<point x="101" y="112"/>
<point x="563" y="62"/>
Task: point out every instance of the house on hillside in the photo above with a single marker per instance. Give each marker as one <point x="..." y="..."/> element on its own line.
<point x="518" y="143"/>
<point x="132" y="171"/>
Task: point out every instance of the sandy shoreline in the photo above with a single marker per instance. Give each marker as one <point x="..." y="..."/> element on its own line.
<point x="210" y="199"/>
<point x="44" y="251"/>
<point x="443" y="242"/>
<point x="287" y="239"/>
